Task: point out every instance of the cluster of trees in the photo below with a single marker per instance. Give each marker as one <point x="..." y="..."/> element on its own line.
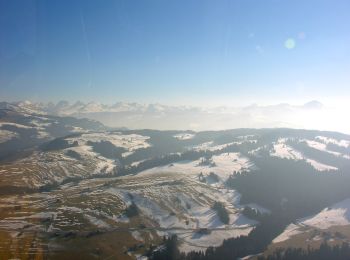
<point x="324" y="252"/>
<point x="337" y="148"/>
<point x="237" y="248"/>
<point x="257" y="240"/>
<point x="221" y="212"/>
<point x="132" y="210"/>
<point x="293" y="186"/>
<point x="252" y="213"/>
<point x="207" y="161"/>
<point x="201" y="177"/>
<point x="213" y="177"/>
<point x="169" y="158"/>
<point x="162" y="142"/>
<point x="107" y="149"/>
<point x="57" y="144"/>
<point x="168" y="251"/>
<point x="166" y="159"/>
<point x="321" y="156"/>
<point x="74" y="154"/>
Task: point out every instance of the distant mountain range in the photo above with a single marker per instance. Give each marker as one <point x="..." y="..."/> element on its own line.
<point x="64" y="108"/>
<point x="164" y="117"/>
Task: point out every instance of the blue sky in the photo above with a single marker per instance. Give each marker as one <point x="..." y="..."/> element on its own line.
<point x="182" y="51"/>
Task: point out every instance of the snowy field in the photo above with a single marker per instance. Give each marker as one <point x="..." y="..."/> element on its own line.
<point x="184" y="136"/>
<point x="282" y="150"/>
<point x="323" y="147"/>
<point x="41" y="168"/>
<point x="320" y="166"/>
<point x="131" y="142"/>
<point x="2" y="124"/>
<point x="51" y="167"/>
<point x="336" y="215"/>
<point x="6" y="135"/>
<point x="196" y="241"/>
<point x="222" y="165"/>
<point x="167" y="202"/>
<point x="211" y="146"/>
<point x="103" y="165"/>
<point x="193" y="200"/>
<point x="327" y="140"/>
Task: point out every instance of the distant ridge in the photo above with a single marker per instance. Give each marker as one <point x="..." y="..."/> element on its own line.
<point x="314" y="104"/>
<point x="311" y="115"/>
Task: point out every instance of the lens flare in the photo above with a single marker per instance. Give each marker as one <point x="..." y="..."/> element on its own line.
<point x="290" y="43"/>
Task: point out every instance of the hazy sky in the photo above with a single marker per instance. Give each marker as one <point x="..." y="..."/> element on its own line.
<point x="180" y="51"/>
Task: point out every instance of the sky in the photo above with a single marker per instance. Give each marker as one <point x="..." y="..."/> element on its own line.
<point x="191" y="52"/>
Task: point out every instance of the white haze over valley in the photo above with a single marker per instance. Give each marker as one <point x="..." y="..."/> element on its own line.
<point x="311" y="115"/>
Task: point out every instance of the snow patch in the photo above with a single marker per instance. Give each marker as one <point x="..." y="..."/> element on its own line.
<point x="320" y="166"/>
<point x="282" y="150"/>
<point x="222" y="165"/>
<point x="323" y="147"/>
<point x="130" y="142"/>
<point x="6" y="135"/>
<point x="336" y="215"/>
<point x="327" y="140"/>
<point x="184" y="136"/>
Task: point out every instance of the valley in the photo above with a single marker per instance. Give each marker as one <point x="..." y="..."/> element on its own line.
<point x="99" y="192"/>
